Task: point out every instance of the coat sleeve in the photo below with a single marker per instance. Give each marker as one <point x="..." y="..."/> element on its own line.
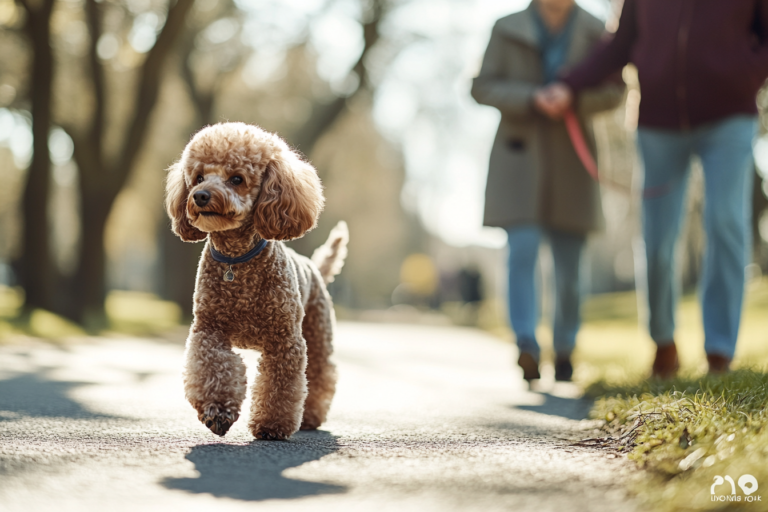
<point x="610" y="56"/>
<point x="604" y="97"/>
<point x="514" y="98"/>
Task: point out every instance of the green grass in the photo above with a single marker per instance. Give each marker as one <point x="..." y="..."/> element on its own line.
<point x="141" y="313"/>
<point x="687" y="431"/>
<point x="135" y="313"/>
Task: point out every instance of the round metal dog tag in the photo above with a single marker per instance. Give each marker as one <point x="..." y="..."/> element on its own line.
<point x="229" y="276"/>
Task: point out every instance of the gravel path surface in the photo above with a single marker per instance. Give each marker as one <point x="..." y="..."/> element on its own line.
<point x="425" y="419"/>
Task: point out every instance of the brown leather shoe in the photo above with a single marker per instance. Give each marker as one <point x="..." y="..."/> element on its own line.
<point x="718" y="364"/>
<point x="529" y="365"/>
<point x="666" y="364"/>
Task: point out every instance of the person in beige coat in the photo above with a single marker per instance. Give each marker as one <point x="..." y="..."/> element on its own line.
<point x="537" y="187"/>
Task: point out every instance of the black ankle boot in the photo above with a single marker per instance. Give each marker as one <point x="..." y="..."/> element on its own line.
<point x="563" y="369"/>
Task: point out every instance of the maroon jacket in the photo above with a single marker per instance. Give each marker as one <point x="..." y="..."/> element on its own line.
<point x="698" y="60"/>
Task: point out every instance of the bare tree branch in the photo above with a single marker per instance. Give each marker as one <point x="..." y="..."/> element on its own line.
<point x="324" y="115"/>
<point x="101" y="177"/>
<point x="371" y="36"/>
<point x="24" y="4"/>
<point x="205" y="98"/>
<point x="148" y="90"/>
<point x="202" y="100"/>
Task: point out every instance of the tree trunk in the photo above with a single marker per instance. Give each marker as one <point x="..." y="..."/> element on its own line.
<point x="103" y="176"/>
<point x="84" y="296"/>
<point x="35" y="267"/>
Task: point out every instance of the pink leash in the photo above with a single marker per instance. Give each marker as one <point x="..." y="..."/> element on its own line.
<point x="588" y="161"/>
<point x="583" y="152"/>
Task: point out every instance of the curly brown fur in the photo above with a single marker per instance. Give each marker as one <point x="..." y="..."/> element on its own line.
<point x="255" y="187"/>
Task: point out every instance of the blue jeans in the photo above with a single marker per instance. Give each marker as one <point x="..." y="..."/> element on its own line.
<point x="725" y="150"/>
<point x="523" y="297"/>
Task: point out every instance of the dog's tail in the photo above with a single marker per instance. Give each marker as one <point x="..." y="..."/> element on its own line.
<point x="330" y="256"/>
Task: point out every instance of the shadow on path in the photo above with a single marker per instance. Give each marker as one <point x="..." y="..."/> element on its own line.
<point x="571" y="408"/>
<point x="254" y="472"/>
<point x="32" y="394"/>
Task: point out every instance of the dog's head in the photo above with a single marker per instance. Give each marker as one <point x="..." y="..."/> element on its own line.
<point x="230" y="172"/>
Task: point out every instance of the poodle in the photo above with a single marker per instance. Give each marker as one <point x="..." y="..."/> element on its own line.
<point x="245" y="191"/>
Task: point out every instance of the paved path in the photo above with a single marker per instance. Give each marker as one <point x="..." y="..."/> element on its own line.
<point x="425" y="419"/>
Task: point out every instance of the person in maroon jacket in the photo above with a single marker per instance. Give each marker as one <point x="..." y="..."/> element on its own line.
<point x="700" y="64"/>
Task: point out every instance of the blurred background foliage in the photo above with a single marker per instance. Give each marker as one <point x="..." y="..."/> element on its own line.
<point x="98" y="97"/>
<point x="118" y="87"/>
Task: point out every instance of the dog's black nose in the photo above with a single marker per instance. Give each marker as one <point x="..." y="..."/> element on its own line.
<point x="202" y="197"/>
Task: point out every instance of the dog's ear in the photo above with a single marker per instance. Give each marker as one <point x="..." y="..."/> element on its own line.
<point x="176" y="194"/>
<point x="290" y="199"/>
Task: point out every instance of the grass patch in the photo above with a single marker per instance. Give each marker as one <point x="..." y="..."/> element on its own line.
<point x="141" y="313"/>
<point x="687" y="432"/>
<point x="135" y="313"/>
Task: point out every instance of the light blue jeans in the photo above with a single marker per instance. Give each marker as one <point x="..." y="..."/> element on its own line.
<point x="523" y="294"/>
<point x="725" y="150"/>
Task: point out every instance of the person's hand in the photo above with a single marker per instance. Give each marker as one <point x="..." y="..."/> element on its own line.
<point x="553" y="100"/>
<point x="543" y="104"/>
<point x="560" y="96"/>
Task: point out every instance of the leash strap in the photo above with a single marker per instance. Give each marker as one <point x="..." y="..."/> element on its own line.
<point x="579" y="144"/>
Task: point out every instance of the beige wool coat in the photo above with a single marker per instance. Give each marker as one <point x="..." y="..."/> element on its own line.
<point x="534" y="174"/>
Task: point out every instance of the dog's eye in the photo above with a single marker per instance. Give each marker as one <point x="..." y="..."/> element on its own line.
<point x="200" y="178"/>
<point x="235" y="180"/>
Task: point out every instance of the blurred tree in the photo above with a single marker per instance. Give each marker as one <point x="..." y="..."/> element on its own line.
<point x="35" y="267"/>
<point x="104" y="161"/>
<point x="325" y="113"/>
<point x="102" y="174"/>
<point x="122" y="67"/>
<point x="211" y="51"/>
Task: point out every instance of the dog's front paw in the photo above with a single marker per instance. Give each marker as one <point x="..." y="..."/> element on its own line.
<point x="270" y="434"/>
<point x="218" y="419"/>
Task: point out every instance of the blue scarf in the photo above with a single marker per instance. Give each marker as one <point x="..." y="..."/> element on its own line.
<point x="554" y="47"/>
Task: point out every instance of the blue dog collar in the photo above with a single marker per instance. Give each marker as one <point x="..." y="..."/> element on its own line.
<point x="229" y="275"/>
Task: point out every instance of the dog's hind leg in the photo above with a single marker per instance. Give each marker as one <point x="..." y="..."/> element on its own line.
<point x="214" y="380"/>
<point x="318" y="328"/>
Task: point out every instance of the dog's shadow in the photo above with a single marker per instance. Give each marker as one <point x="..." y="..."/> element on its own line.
<point x="254" y="472"/>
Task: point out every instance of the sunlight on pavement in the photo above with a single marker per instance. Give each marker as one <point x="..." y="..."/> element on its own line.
<point x="425" y="418"/>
